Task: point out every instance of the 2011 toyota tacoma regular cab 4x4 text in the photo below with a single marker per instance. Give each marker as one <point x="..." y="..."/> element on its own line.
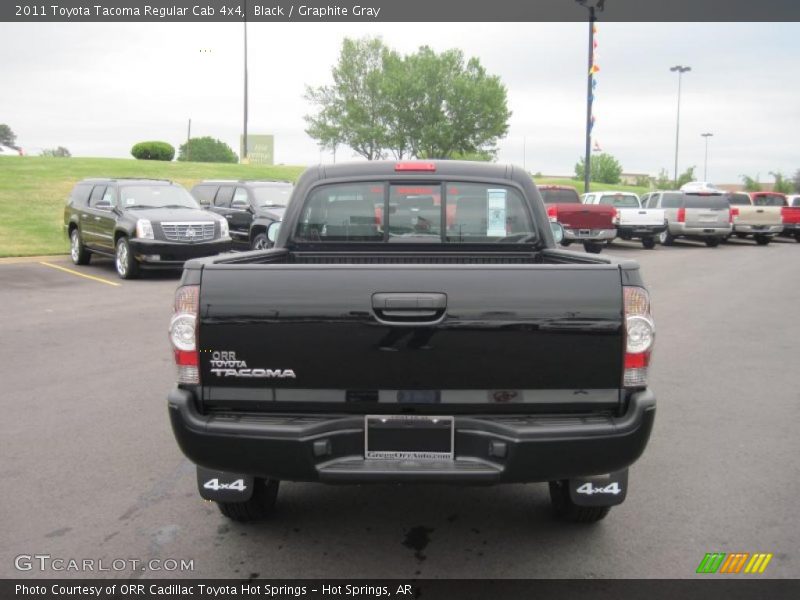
<point x="415" y="322"/>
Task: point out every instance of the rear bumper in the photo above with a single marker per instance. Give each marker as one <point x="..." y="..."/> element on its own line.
<point x="758" y="229"/>
<point x="155" y="253"/>
<point x="589" y="235"/>
<point x="635" y="231"/>
<point x="681" y="229"/>
<point x="488" y="448"/>
<point x="791" y="228"/>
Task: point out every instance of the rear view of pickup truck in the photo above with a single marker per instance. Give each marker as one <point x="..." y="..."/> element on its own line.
<point x="414" y="322"/>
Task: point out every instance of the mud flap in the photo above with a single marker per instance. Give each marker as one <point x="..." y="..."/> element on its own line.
<point x="224" y="487"/>
<point x="599" y="490"/>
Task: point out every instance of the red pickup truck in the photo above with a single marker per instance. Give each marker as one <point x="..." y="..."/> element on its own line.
<point x="592" y="224"/>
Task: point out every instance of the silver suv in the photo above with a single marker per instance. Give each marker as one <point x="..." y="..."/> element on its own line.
<point x="704" y="216"/>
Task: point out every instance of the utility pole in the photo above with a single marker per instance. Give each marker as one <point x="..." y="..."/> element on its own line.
<point x="680" y="69"/>
<point x="188" y="139"/>
<point x="244" y="134"/>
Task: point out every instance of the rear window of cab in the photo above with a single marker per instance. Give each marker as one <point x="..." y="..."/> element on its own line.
<point x="451" y="212"/>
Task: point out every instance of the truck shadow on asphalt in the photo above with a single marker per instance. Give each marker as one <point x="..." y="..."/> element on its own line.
<point x="409" y="530"/>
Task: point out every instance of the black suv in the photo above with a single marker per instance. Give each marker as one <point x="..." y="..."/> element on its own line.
<point x="140" y="222"/>
<point x="249" y="206"/>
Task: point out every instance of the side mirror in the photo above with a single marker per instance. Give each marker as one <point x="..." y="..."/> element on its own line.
<point x="558" y="231"/>
<point x="103" y="205"/>
<point x="272" y="231"/>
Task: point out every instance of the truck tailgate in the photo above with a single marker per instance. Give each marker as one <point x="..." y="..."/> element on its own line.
<point x="586" y="216"/>
<point x="640" y="216"/>
<point x="419" y="334"/>
<point x="758" y="215"/>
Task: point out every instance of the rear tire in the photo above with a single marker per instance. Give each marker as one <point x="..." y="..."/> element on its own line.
<point x="566" y="510"/>
<point x="565" y="243"/>
<point x="762" y="240"/>
<point x="77" y="251"/>
<point x="124" y="261"/>
<point x="649" y="242"/>
<point x="741" y="236"/>
<point x="666" y="239"/>
<point x="593" y="247"/>
<point x="712" y="242"/>
<point x="260" y="506"/>
<point x="797" y="237"/>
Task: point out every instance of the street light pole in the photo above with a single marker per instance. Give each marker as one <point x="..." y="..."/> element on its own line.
<point x="705" y="162"/>
<point x="587" y="160"/>
<point x="244" y="131"/>
<point x="680" y="70"/>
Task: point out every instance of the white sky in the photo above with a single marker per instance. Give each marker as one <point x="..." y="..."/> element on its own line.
<point x="99" y="88"/>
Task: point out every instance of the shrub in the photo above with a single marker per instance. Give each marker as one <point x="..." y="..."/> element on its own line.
<point x="153" y="151"/>
<point x="207" y="149"/>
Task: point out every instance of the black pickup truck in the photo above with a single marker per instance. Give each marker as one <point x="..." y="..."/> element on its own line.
<point x="415" y="322"/>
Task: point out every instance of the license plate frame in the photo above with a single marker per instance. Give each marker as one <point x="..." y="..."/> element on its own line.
<point x="421" y="438"/>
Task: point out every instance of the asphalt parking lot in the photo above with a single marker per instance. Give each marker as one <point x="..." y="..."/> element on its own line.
<point x="90" y="469"/>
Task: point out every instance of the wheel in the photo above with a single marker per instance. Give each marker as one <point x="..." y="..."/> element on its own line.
<point x="77" y="251"/>
<point x="741" y="236"/>
<point x="567" y="510"/>
<point x="260" y="242"/>
<point x="126" y="264"/>
<point x="665" y="238"/>
<point x="592" y="247"/>
<point x="762" y="240"/>
<point x="260" y="505"/>
<point x="649" y="242"/>
<point x="565" y="243"/>
<point x="712" y="242"/>
<point x="797" y="237"/>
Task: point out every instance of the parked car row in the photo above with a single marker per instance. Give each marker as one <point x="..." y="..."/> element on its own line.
<point x="698" y="211"/>
<point x="154" y="223"/>
<point x="151" y="223"/>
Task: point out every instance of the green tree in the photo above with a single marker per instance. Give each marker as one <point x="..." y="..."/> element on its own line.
<point x="59" y="152"/>
<point x="663" y="181"/>
<point x="206" y="149"/>
<point x="781" y="185"/>
<point x="685" y="177"/>
<point x="456" y="107"/>
<point x="604" y="169"/>
<point x="796" y="181"/>
<point x="750" y="184"/>
<point x="423" y="105"/>
<point x="7" y="137"/>
<point x="354" y="109"/>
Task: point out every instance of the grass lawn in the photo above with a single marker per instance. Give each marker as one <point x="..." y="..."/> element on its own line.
<point x="33" y="191"/>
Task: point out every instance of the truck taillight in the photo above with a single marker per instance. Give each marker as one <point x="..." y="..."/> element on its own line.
<point x="552" y="213"/>
<point x="783" y="214"/>
<point x="734" y="214"/>
<point x="183" y="333"/>
<point x="640" y="335"/>
<point x="615" y="216"/>
<point x="681" y="215"/>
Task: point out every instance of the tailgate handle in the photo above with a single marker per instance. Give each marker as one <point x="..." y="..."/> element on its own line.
<point x="409" y="309"/>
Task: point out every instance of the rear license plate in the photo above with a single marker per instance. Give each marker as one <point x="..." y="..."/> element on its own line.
<point x="409" y="437"/>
